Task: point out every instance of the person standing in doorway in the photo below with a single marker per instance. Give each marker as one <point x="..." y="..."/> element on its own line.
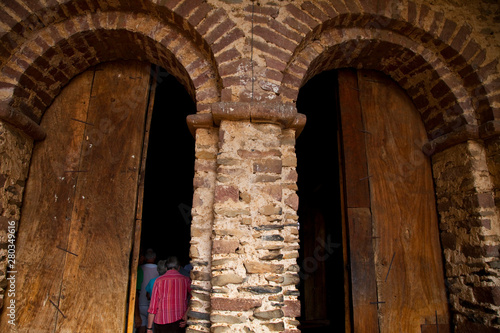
<point x="162" y="269"/>
<point x="169" y="300"/>
<point x="149" y="271"/>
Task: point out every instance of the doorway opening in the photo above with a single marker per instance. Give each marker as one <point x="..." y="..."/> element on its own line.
<point x="168" y="181"/>
<point x="321" y="255"/>
<point x="168" y="188"/>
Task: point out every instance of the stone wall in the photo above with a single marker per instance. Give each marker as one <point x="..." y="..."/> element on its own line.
<point x="469" y="234"/>
<point x="444" y="54"/>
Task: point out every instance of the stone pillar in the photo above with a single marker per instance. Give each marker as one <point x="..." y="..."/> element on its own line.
<point x="255" y="230"/>
<point x="244" y="235"/>
<point x="469" y="224"/>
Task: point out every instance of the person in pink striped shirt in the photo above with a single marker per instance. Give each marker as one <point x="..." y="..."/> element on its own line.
<point x="169" y="300"/>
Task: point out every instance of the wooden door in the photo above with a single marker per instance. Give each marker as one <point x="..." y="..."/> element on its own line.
<point x="77" y="224"/>
<point x="397" y="279"/>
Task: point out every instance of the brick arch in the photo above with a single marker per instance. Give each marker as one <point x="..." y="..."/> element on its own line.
<point x="41" y="66"/>
<point x="186" y="37"/>
<point x="441" y="67"/>
<point x="24" y="19"/>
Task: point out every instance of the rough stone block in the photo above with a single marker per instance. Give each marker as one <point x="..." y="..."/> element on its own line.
<point x="235" y="304"/>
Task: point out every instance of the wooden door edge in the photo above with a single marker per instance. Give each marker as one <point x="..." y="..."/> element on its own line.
<point x="139" y="205"/>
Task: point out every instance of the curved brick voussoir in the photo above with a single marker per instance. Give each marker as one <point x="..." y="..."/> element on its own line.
<point x="53" y="55"/>
<point x="439" y="64"/>
<point x="26" y="17"/>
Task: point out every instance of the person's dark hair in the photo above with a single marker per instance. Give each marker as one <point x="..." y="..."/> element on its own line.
<point x="161" y="267"/>
<point x="172" y="263"/>
<point x="150" y="254"/>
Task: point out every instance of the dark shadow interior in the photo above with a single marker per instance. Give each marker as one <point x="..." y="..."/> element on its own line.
<point x="168" y="189"/>
<point x="321" y="252"/>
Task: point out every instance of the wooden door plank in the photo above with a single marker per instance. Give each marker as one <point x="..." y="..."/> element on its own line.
<point x="364" y="287"/>
<point x="48" y="201"/>
<point x="96" y="278"/>
<point x="140" y="199"/>
<point x="357" y="203"/>
<point x="407" y="253"/>
<point x="353" y="140"/>
<point x="345" y="242"/>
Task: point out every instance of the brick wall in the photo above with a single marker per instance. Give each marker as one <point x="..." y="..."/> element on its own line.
<point x="260" y="53"/>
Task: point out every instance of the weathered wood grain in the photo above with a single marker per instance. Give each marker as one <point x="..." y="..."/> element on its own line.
<point x="357" y="200"/>
<point x="78" y="217"/>
<point x="363" y="281"/>
<point x="353" y="141"/>
<point x="410" y="279"/>
<point x="48" y="202"/>
<point x="95" y="282"/>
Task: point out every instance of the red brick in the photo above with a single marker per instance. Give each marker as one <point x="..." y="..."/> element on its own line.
<point x="234" y="304"/>
<point x="253" y="154"/>
<point x="224" y="246"/>
<point x="424" y="12"/>
<point x="369" y="6"/>
<point x="227" y="40"/>
<point x="274" y="191"/>
<point x="328" y="9"/>
<point x="478" y="59"/>
<point x="268" y="165"/>
<point x="211" y="20"/>
<point x="237" y="80"/>
<point x="314" y="11"/>
<point x="228" y="55"/>
<point x="225" y="193"/>
<point x="283" y="30"/>
<point x="187" y="6"/>
<point x="202" y="78"/>
<point x="274" y="38"/>
<point x="295" y="24"/>
<point x="436" y="23"/>
<point x="448" y="30"/>
<point x="292" y="201"/>
<point x="292" y="308"/>
<point x="461" y="37"/>
<point x="18" y="9"/>
<point x="273" y="75"/>
<point x="277" y="52"/>
<point x="339" y="6"/>
<point x="266" y="11"/>
<point x="236" y="67"/>
<point x="199" y="14"/>
<point x="353" y="7"/>
<point x="219" y="31"/>
<point x="226" y="95"/>
<point x="275" y="64"/>
<point x="440" y="89"/>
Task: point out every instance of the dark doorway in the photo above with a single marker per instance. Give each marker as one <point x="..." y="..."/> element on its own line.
<point x="168" y="189"/>
<point x="320" y="215"/>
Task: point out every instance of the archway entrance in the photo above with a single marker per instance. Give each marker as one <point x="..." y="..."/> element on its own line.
<point x="372" y="241"/>
<point x="82" y="203"/>
<point x="169" y="172"/>
<point x="320" y="209"/>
